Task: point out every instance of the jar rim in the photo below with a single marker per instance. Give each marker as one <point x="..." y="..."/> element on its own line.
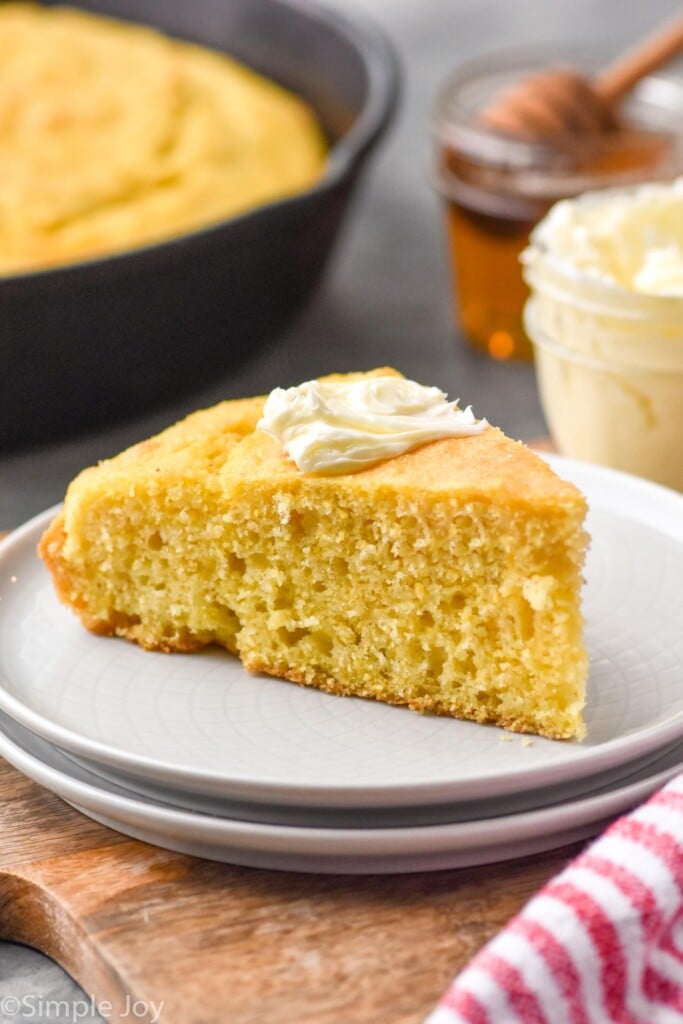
<point x="550" y="170"/>
<point x="603" y="296"/>
<point x="542" y="340"/>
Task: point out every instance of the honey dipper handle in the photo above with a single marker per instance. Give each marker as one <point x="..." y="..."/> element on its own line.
<point x="615" y="81"/>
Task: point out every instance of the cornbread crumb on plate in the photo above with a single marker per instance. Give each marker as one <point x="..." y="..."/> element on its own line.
<point x="446" y="579"/>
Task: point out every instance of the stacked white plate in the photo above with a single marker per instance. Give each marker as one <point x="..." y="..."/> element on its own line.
<point x="192" y="753"/>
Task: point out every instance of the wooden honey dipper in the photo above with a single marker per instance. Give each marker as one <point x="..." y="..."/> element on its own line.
<point x="561" y="100"/>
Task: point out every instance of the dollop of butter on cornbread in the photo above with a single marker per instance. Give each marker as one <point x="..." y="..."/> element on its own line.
<point x="339" y="426"/>
<point x="114" y="136"/>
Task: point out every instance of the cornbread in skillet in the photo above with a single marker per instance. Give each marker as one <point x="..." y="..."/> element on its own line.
<point x="114" y="136"/>
<point x="446" y="578"/>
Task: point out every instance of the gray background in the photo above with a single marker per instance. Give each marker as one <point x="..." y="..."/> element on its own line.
<point x="386" y="297"/>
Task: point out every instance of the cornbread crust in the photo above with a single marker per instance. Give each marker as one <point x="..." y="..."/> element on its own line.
<point x="114" y="136"/>
<point x="423" y="705"/>
<point x="446" y="579"/>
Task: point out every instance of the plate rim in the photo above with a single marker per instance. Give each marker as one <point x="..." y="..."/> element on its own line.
<point x="400" y="841"/>
<point x="275" y="790"/>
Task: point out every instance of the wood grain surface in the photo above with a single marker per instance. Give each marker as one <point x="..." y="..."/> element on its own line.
<point x="221" y="945"/>
<point x="215" y="943"/>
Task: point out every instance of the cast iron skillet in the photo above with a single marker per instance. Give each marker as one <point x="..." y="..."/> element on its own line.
<point x="94" y="341"/>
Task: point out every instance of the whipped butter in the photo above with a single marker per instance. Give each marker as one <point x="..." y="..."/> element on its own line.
<point x="606" y="319"/>
<point x="343" y="426"/>
<point x="627" y="239"/>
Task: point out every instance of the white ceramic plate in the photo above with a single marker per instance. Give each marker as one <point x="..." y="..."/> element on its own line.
<point x="352" y="851"/>
<point x="373" y="817"/>
<point x="200" y="723"/>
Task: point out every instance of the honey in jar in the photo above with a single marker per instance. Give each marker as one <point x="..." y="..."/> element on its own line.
<point x="497" y="187"/>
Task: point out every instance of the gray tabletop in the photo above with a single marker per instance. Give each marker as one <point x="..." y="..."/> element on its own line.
<point x="386" y="300"/>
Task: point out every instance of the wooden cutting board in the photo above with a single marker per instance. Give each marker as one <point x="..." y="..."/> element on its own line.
<point x="229" y="945"/>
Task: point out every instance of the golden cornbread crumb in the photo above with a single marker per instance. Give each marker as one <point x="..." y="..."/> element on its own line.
<point x="446" y="579"/>
<point x="113" y="135"/>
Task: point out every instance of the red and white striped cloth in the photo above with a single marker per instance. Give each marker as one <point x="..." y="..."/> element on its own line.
<point x="602" y="943"/>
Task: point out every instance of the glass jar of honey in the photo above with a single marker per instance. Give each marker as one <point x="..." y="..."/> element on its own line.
<point x="497" y="187"/>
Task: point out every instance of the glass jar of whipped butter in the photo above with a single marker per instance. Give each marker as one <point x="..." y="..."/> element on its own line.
<point x="605" y="318"/>
<point x="495" y="187"/>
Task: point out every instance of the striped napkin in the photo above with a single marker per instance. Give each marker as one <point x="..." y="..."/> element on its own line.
<point x="602" y="943"/>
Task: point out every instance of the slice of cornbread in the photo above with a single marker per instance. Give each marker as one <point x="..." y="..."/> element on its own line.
<point x="446" y="578"/>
